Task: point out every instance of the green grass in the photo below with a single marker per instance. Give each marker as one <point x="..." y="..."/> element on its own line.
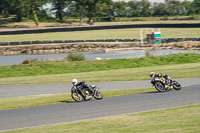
<point x="102" y="34"/>
<point x="170" y="19"/>
<point x="175" y="120"/>
<point x="29" y="101"/>
<point x="50" y="68"/>
<point x="175" y="71"/>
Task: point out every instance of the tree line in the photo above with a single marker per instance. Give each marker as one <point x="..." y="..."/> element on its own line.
<point x="94" y="10"/>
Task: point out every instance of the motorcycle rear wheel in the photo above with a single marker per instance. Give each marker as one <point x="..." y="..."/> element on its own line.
<point x="77" y="97"/>
<point x="160" y="87"/>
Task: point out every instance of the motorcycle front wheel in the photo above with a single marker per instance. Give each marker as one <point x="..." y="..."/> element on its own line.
<point x="77" y="97"/>
<point x="176" y="85"/>
<point x="98" y="95"/>
<point x="160" y="87"/>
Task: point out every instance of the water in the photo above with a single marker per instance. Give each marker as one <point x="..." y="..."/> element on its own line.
<point x="17" y="59"/>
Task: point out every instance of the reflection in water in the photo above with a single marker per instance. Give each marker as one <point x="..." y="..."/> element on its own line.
<point x="17" y="59"/>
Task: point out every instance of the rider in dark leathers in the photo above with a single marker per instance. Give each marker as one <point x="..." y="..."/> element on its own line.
<point x="167" y="78"/>
<point x="82" y="86"/>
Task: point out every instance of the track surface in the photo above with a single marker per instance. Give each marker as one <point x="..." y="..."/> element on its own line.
<point x="66" y="112"/>
<point x="25" y="90"/>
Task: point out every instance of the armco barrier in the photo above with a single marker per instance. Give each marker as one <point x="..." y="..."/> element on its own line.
<point x="47" y="42"/>
<point x="14" y="43"/>
<point x="166" y="40"/>
<point x="36" y="42"/>
<point x="26" y="43"/>
<point x="34" y="31"/>
<point x="58" y="41"/>
<point x="4" y="43"/>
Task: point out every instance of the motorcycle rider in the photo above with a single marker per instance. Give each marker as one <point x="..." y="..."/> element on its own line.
<point x="153" y="75"/>
<point x="83" y="87"/>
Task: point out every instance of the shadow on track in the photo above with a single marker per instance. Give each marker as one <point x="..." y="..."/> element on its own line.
<point x="67" y="101"/>
<point x="77" y="102"/>
<point x="153" y="92"/>
<point x="150" y="92"/>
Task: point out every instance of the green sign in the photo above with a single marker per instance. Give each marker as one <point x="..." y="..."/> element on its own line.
<point x="157" y="37"/>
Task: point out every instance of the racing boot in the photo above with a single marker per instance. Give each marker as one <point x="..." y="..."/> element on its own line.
<point x="88" y="97"/>
<point x="168" y="87"/>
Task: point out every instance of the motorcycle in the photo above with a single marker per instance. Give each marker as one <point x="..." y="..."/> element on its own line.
<point x="160" y="84"/>
<point x="90" y="93"/>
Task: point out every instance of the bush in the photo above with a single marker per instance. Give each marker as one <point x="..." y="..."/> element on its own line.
<point x="75" y="57"/>
<point x="147" y="53"/>
<point x="104" y="19"/>
<point x="164" y="18"/>
<point x="184" y="18"/>
<point x="29" y="61"/>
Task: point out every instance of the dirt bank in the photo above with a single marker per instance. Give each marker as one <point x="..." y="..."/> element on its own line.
<point x="60" y="48"/>
<point x="93" y="47"/>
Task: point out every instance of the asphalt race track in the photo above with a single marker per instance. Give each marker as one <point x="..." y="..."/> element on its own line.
<point x="66" y="112"/>
<point x="38" y="89"/>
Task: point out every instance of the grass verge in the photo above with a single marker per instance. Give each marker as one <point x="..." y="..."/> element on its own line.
<point x="142" y="73"/>
<point x="63" y="67"/>
<point x="102" y="34"/>
<point x="175" y="120"/>
<point x="29" y="101"/>
<point x="74" y="22"/>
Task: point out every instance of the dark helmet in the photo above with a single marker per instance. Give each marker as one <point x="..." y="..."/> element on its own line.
<point x="83" y="82"/>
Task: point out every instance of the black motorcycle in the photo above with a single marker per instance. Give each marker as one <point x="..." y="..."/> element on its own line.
<point x="86" y="94"/>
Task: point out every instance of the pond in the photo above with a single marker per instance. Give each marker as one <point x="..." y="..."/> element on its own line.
<point x="17" y="59"/>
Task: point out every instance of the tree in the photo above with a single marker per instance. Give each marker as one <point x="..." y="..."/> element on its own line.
<point x="34" y="13"/>
<point x="26" y="9"/>
<point x="104" y="11"/>
<point x="187" y="7"/>
<point x="159" y="9"/>
<point x="59" y="6"/>
<point x="120" y="9"/>
<point x="133" y="9"/>
<point x="173" y="7"/>
<point x="144" y="7"/>
<point x="4" y="7"/>
<point x="139" y="8"/>
<point x="20" y="7"/>
<point x="80" y="7"/>
<point x="91" y="8"/>
<point x="196" y="4"/>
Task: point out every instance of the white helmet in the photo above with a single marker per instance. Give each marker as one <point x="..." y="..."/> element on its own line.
<point x="74" y="81"/>
<point x="152" y="74"/>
